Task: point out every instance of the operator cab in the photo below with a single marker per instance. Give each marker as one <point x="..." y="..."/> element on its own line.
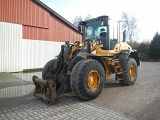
<point x="101" y="29"/>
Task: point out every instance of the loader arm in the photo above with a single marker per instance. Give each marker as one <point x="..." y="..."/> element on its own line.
<point x="56" y="80"/>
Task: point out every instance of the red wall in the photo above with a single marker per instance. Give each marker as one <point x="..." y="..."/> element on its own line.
<point x="38" y="23"/>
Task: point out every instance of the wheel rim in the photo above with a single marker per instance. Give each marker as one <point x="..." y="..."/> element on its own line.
<point x="93" y="80"/>
<point x="132" y="72"/>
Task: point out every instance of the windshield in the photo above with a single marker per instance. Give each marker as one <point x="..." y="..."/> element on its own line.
<point x="94" y="29"/>
<point x="104" y="31"/>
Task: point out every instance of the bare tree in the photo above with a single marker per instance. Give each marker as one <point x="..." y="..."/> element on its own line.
<point x="77" y="19"/>
<point x="88" y="17"/>
<point x="135" y="45"/>
<point x="129" y="23"/>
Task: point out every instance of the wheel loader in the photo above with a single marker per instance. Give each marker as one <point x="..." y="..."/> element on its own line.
<point x="83" y="67"/>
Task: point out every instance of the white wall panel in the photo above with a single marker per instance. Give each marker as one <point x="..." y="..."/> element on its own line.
<point x="35" y="53"/>
<point x="17" y="54"/>
<point x="10" y="47"/>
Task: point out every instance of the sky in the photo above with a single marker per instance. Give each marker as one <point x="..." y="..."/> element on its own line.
<point x="147" y="12"/>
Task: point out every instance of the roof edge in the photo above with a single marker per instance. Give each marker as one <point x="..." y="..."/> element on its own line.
<point x="55" y="13"/>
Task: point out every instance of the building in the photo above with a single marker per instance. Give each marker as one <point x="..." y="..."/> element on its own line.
<point x="31" y="34"/>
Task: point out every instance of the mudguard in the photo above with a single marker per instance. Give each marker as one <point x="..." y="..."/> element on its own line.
<point x="128" y="53"/>
<point x="134" y="54"/>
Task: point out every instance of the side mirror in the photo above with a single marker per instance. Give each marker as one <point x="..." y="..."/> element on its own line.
<point x="124" y="36"/>
<point x="80" y="28"/>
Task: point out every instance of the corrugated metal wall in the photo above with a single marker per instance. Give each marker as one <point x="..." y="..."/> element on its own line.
<point x="34" y="39"/>
<point x="58" y="31"/>
<point x="10" y="47"/>
<point x="35" y="33"/>
<point x="38" y="23"/>
<point x="17" y="54"/>
<point x="24" y="12"/>
<point x="36" y="53"/>
<point x="61" y="32"/>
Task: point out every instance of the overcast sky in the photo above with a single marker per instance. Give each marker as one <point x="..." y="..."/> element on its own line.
<point x="147" y="12"/>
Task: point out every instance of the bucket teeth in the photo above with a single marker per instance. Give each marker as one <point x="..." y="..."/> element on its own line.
<point x="45" y="89"/>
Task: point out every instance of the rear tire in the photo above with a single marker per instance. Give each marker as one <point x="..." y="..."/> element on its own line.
<point x="47" y="68"/>
<point x="87" y="79"/>
<point x="130" y="73"/>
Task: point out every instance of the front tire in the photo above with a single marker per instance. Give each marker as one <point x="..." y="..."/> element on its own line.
<point x="47" y="68"/>
<point x="129" y="72"/>
<point x="87" y="79"/>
